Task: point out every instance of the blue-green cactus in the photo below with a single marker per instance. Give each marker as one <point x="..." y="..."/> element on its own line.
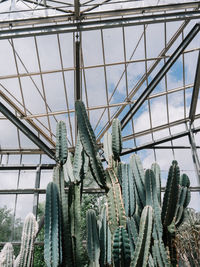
<point x="52" y="225"/>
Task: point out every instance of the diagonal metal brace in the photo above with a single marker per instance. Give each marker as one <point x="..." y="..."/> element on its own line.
<point x="21" y="126"/>
<point x="186" y="41"/>
<point x="195" y="92"/>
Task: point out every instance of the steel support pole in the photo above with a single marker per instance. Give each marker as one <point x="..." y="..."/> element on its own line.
<point x="36" y="194"/>
<point x="194" y="154"/>
<point x="160" y="75"/>
<point x="21" y="126"/>
<point x="195" y="93"/>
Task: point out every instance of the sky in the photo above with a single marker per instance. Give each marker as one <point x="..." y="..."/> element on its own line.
<point x="56" y="51"/>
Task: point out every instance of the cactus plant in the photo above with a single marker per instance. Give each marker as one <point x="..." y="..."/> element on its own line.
<point x="141" y="254"/>
<point x="116" y="139"/>
<point x="7" y="256"/>
<point x="93" y="244"/>
<point x="121" y="248"/>
<point x="29" y="232"/>
<point x="52" y="238"/>
<point x="61" y="143"/>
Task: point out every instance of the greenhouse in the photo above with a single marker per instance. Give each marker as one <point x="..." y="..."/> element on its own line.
<point x="99" y="133"/>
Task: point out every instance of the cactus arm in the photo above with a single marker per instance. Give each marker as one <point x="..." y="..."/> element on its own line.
<point x="116" y="211"/>
<point x="88" y="141"/>
<point x="105" y="240"/>
<point x="138" y="175"/>
<point x="61" y="143"/>
<point x="116" y="139"/>
<point x="78" y="161"/>
<point x="141" y="253"/>
<point x="93" y="245"/>
<point x="52" y="225"/>
<point x="133" y="230"/>
<point x="68" y="169"/>
<point x="121" y="248"/>
<point x="58" y="179"/>
<point x="170" y="197"/>
<point x="156" y="169"/>
<point x="107" y="146"/>
<point x="128" y="190"/>
<point x="183" y="199"/>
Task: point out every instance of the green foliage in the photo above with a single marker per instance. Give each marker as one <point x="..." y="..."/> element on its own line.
<point x="6" y="225"/>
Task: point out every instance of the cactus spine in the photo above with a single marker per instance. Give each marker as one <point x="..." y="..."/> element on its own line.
<point x="7" y="256"/>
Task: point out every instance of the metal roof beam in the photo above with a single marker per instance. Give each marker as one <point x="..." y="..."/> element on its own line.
<point x="186" y="41"/>
<point x="8" y="114"/>
<point x="195" y="93"/>
<point x="159" y="141"/>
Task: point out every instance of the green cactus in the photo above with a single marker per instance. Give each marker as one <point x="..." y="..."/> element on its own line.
<point x="138" y="175"/>
<point x="171" y="195"/>
<point x="116" y="139"/>
<point x="156" y="169"/>
<point x="93" y="245"/>
<point x="133" y="231"/>
<point x="61" y="143"/>
<point x="7" y="256"/>
<point x="121" y="248"/>
<point x="88" y="141"/>
<point x="52" y="225"/>
<point x="75" y="224"/>
<point x="116" y="211"/>
<point x="105" y="240"/>
<point x="142" y="249"/>
<point x="29" y="232"/>
<point x="184" y="197"/>
<point x="128" y="190"/>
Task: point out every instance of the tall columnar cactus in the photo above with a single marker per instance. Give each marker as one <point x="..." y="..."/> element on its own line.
<point x="61" y="143"/>
<point x="29" y="232"/>
<point x="116" y="211"/>
<point x="52" y="224"/>
<point x="116" y="139"/>
<point x="141" y="254"/>
<point x="171" y="195"/>
<point x="184" y="197"/>
<point x="138" y="176"/>
<point x="75" y="224"/>
<point x="121" y="248"/>
<point x="104" y="240"/>
<point x="128" y="189"/>
<point x="93" y="244"/>
<point x="7" y="256"/>
<point x="88" y="141"/>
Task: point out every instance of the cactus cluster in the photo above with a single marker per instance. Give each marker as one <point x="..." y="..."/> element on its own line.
<point x="133" y="228"/>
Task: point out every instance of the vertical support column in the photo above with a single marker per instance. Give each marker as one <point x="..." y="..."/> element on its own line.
<point x="77" y="84"/>
<point x="36" y="194"/>
<point x="194" y="154"/>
